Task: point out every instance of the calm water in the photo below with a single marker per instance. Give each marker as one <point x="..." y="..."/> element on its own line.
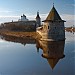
<point x="34" y="57"/>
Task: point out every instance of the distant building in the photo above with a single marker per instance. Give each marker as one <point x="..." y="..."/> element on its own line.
<point x="36" y="22"/>
<point x="24" y="24"/>
<point x="23" y="18"/>
<point x="21" y="25"/>
<point x="53" y="28"/>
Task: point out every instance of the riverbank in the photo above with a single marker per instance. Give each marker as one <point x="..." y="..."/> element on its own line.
<point x="19" y="34"/>
<point x="70" y="29"/>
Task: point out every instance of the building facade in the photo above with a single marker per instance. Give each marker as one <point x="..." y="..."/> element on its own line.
<point x="23" y="18"/>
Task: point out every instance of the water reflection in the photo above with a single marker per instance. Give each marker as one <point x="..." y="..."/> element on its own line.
<point x="52" y="51"/>
<point x="71" y="31"/>
<point x="24" y="41"/>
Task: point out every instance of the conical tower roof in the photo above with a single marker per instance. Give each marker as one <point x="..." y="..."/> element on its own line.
<point x="53" y="62"/>
<point x="37" y="15"/>
<point x="53" y="16"/>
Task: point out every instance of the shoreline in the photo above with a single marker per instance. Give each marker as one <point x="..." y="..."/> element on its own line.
<point x="70" y="29"/>
<point x="19" y="34"/>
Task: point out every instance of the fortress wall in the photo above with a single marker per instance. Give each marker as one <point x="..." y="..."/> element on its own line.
<point x="20" y="26"/>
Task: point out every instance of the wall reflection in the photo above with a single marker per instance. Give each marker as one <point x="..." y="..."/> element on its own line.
<point x="23" y="41"/>
<point x="52" y="51"/>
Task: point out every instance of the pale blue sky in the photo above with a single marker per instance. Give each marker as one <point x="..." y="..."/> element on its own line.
<point x="13" y="9"/>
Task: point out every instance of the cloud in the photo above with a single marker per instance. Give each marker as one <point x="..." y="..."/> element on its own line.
<point x="32" y="17"/>
<point x="70" y="5"/>
<point x="43" y="16"/>
<point x="9" y="16"/>
<point x="15" y="18"/>
<point x="67" y="17"/>
<point x="5" y="11"/>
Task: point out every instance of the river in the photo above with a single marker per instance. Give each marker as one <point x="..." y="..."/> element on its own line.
<point x="34" y="57"/>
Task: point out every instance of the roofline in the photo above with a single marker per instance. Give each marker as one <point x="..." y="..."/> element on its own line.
<point x="20" y="21"/>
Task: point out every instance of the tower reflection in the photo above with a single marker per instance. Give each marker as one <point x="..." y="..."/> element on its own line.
<point x="52" y="51"/>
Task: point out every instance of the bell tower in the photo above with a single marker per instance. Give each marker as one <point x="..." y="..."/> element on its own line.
<point x="38" y="20"/>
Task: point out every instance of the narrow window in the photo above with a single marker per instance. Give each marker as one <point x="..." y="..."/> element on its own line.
<point x="48" y="27"/>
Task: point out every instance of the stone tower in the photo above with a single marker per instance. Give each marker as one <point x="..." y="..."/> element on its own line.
<point x="53" y="28"/>
<point x="38" y="20"/>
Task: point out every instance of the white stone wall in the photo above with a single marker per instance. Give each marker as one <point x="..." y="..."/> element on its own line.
<point x="24" y="19"/>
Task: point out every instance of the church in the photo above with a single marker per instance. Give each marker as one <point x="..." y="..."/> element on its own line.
<point x="36" y="22"/>
<point x="24" y="24"/>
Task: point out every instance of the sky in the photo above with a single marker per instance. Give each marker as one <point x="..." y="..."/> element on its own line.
<point x="13" y="9"/>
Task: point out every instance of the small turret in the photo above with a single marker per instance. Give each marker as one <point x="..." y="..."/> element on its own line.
<point x="38" y="20"/>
